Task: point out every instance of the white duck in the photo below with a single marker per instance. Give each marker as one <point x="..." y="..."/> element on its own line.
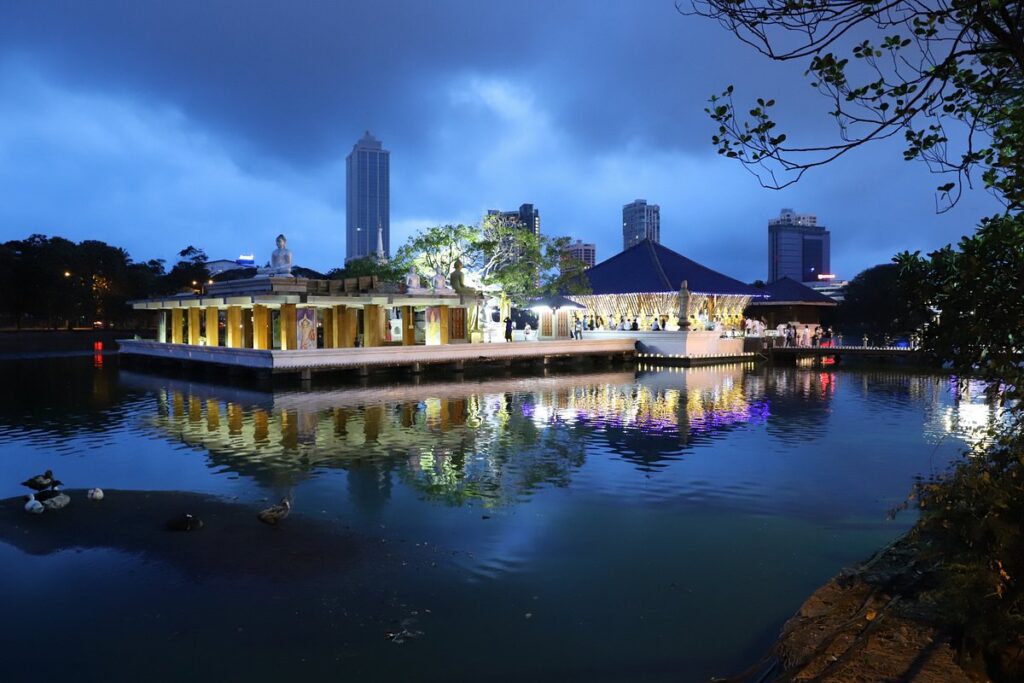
<point x="34" y="506"/>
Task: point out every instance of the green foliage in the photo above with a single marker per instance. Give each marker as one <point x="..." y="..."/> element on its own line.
<point x="909" y="69"/>
<point x="971" y="525"/>
<point x="56" y="282"/>
<point x="189" y="274"/>
<point x="978" y="289"/>
<point x="436" y="249"/>
<point x="520" y="262"/>
<point x="877" y="306"/>
<point x="387" y="271"/>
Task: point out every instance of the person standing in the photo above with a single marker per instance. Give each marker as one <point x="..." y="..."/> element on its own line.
<point x="508" y="329"/>
<point x="577" y="325"/>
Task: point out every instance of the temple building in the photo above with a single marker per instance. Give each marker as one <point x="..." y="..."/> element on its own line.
<point x="642" y="284"/>
<point x="789" y="301"/>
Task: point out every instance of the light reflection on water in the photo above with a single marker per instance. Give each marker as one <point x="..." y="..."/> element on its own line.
<point x="667" y="521"/>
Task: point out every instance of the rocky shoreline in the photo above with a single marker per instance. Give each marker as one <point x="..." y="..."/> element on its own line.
<point x="873" y="622"/>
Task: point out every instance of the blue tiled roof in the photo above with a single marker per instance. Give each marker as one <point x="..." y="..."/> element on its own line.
<point x="788" y="290"/>
<point x="650" y="267"/>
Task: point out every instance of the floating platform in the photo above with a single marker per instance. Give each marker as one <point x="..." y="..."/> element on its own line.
<point x="306" y="362"/>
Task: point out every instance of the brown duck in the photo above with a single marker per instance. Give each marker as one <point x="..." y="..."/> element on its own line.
<point x="275" y="513"/>
<point x="41" y="482"/>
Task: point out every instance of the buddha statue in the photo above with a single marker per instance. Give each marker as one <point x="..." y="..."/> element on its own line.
<point x="440" y="284"/>
<point x="684" y="307"/>
<point x="280" y="260"/>
<point x="412" y="282"/>
<point x="458" y="280"/>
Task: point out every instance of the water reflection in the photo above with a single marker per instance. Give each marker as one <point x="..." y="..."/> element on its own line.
<point x="495" y="440"/>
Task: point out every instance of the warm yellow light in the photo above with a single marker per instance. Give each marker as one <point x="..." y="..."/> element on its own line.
<point x="67" y="274"/>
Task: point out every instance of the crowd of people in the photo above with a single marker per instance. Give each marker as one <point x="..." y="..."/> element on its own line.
<point x="789" y="334"/>
<point x="805" y="337"/>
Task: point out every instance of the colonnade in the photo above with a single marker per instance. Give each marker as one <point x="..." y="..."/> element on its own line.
<point x="252" y="327"/>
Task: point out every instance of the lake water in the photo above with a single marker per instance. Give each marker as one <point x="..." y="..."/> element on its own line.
<point x="657" y="525"/>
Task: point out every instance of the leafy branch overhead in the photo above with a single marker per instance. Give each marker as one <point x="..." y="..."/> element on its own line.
<point x="887" y="69"/>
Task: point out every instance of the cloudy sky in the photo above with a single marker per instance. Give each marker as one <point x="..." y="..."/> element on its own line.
<point x="157" y="125"/>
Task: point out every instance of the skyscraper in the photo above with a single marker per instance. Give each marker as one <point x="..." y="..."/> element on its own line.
<point x="640" y="221"/>
<point x="527" y="217"/>
<point x="798" y="247"/>
<point x="367" y="198"/>
<point x="580" y="251"/>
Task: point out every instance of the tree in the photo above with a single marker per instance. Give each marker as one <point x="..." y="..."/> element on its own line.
<point x="436" y="249"/>
<point x="915" y="68"/>
<point x="387" y="271"/>
<point x="875" y="305"/>
<point x="502" y="253"/>
<point x="978" y="290"/>
<point x="188" y="274"/>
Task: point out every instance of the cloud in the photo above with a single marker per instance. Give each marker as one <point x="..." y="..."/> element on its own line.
<point x="144" y="176"/>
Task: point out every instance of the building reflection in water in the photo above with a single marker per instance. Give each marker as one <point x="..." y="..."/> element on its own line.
<point x="493" y="440"/>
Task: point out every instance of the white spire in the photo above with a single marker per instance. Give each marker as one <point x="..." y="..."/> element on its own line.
<point x="380" y="243"/>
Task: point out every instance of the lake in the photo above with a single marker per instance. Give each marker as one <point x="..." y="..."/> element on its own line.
<point x="647" y="525"/>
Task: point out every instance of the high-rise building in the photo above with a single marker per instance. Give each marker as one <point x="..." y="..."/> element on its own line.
<point x="527" y="217"/>
<point x="580" y="251"/>
<point x="798" y="247"/>
<point x="367" y="199"/>
<point x="640" y="221"/>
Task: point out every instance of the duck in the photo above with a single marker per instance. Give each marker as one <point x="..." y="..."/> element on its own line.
<point x="275" y="513"/>
<point x="41" y="482"/>
<point x="184" y="522"/>
<point x="52" y="499"/>
<point x="34" y="506"/>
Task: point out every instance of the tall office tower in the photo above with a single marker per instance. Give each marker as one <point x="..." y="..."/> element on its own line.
<point x="581" y="251"/>
<point x="798" y="247"/>
<point x="527" y="217"/>
<point x="640" y="221"/>
<point x="367" y="199"/>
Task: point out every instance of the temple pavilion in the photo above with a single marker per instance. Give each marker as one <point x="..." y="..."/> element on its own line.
<point x="642" y="283"/>
<point x="789" y="301"/>
<point x="294" y="313"/>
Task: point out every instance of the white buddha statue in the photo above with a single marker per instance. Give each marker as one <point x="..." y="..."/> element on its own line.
<point x="440" y="283"/>
<point x="280" y="260"/>
<point x="412" y="282"/>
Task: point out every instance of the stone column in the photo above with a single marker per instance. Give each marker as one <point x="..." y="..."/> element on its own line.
<point x="194" y="316"/>
<point x="289" y="335"/>
<point x="234" y="327"/>
<point x="177" y="325"/>
<point x="346" y="323"/>
<point x="372" y="325"/>
<point x="261" y="327"/>
<point x="161" y="326"/>
<point x="328" y="327"/>
<point x="408" y="326"/>
<point x="247" y="329"/>
<point x="212" y="326"/>
<point x="445" y="319"/>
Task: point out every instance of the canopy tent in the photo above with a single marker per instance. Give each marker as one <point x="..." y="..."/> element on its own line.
<point x="643" y="283"/>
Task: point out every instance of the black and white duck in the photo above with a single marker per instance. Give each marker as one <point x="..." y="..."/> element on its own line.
<point x="41" y="482"/>
<point x="185" y="522"/>
<point x="275" y="513"/>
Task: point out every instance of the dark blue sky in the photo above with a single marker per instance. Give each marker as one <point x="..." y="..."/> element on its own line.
<point x="219" y="124"/>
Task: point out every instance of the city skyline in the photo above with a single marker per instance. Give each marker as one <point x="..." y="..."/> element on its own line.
<point x="113" y="127"/>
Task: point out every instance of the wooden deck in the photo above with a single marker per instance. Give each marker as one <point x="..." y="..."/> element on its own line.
<point x="305" y="362"/>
